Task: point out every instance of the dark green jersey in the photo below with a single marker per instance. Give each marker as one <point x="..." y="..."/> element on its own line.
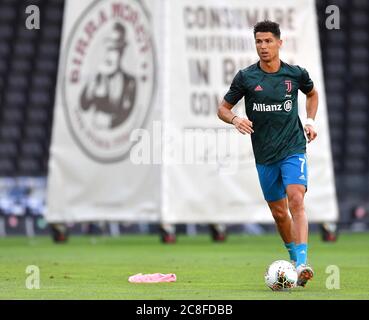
<point x="271" y="104"/>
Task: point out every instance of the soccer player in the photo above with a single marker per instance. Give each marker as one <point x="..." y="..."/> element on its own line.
<point x="270" y="88"/>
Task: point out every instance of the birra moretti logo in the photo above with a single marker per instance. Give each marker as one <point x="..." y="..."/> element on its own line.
<point x="108" y="77"/>
<point x="262" y="107"/>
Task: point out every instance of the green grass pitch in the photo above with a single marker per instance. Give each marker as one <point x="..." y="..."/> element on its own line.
<point x="98" y="267"/>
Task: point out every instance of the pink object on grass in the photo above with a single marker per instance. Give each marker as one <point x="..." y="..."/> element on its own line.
<point x="152" y="278"/>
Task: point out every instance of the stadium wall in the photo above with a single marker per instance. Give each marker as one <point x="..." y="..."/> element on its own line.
<point x="167" y="157"/>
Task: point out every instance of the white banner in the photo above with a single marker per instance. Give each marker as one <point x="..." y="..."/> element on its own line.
<point x="127" y="63"/>
<point x="107" y="88"/>
<point x="209" y="41"/>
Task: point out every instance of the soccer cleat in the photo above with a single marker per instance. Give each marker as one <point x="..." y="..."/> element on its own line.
<point x="304" y="273"/>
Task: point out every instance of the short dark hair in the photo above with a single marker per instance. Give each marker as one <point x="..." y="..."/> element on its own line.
<point x="267" y="26"/>
<point x="120" y="42"/>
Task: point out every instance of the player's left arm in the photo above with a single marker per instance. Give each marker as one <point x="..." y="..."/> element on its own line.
<point x="312" y="100"/>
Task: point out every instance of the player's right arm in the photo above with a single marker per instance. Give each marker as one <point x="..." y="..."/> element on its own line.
<point x="235" y="93"/>
<point x="225" y="113"/>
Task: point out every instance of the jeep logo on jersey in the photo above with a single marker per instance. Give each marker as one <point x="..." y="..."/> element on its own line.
<point x="108" y="77"/>
<point x="287" y="106"/>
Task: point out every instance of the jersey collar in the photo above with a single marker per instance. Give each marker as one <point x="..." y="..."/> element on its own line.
<point x="280" y="68"/>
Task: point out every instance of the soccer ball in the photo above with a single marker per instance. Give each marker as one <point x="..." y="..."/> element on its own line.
<point x="281" y="275"/>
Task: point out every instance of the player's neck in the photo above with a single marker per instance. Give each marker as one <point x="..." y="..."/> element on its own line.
<point x="271" y="66"/>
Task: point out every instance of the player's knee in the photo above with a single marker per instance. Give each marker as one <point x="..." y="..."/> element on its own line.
<point x="279" y="215"/>
<point x="296" y="201"/>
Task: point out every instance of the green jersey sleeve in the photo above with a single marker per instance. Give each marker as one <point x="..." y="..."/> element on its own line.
<point x="306" y="84"/>
<point x="236" y="91"/>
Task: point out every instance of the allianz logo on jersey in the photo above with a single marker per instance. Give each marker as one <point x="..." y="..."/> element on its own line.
<point x="286" y="106"/>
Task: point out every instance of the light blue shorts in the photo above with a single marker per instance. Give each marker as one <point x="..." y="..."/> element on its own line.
<point x="274" y="178"/>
